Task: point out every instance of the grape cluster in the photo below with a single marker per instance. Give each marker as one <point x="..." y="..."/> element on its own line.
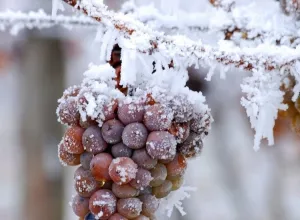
<point x="131" y="151"/>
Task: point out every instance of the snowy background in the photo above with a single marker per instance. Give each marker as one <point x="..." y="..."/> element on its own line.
<point x="233" y="181"/>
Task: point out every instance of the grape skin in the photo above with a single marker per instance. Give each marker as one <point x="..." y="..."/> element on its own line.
<point x="122" y="170"/>
<point x="159" y="175"/>
<point x="80" y="206"/>
<point x="117" y="216"/>
<point x="141" y="217"/>
<point x="112" y="131"/>
<point x="181" y="131"/>
<point x="121" y="150"/>
<point x="163" y="190"/>
<point x="124" y="191"/>
<point x="142" y="179"/>
<point x="89" y="216"/>
<point x="99" y="166"/>
<point x="177" y="167"/>
<point x="135" y="135"/>
<point x="142" y="159"/>
<point x="85" y="160"/>
<point x="177" y="182"/>
<point x="130" y="208"/>
<point x="65" y="158"/>
<point x="158" y="118"/>
<point x="93" y="141"/>
<point x="73" y="140"/>
<point x="68" y="112"/>
<point x="182" y="108"/>
<point x="192" y="146"/>
<point x="109" y="110"/>
<point x="150" y="204"/>
<point x="85" y="184"/>
<point x="130" y="113"/>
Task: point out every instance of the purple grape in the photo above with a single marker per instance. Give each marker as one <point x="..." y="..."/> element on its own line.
<point x="200" y="123"/>
<point x="85" y="160"/>
<point x="80" y="206"/>
<point x="161" y="145"/>
<point x="159" y="175"/>
<point x="129" y="208"/>
<point x="150" y="204"/>
<point x="182" y="108"/>
<point x="192" y="146"/>
<point x="135" y="135"/>
<point x="124" y="191"/>
<point x="141" y="217"/>
<point x="112" y="131"/>
<point x="121" y="150"/>
<point x="163" y="190"/>
<point x="158" y="118"/>
<point x="85" y="184"/>
<point x="142" y="159"/>
<point x="142" y="179"/>
<point x="93" y="141"/>
<point x="117" y="216"/>
<point x="132" y="112"/>
<point x="68" y="112"/>
<point x="90" y="216"/>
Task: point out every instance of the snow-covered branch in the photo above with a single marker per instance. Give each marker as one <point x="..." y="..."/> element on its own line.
<point x="224" y="4"/>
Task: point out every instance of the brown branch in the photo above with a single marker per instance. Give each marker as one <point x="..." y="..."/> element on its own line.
<point x="227" y="6"/>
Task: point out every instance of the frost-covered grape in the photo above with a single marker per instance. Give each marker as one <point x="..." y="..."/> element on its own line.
<point x="85" y="184"/>
<point x="124" y="191"/>
<point x="182" y="108"/>
<point x="150" y="204"/>
<point x="142" y="159"/>
<point x="121" y="150"/>
<point x="66" y="158"/>
<point x="80" y="206"/>
<point x="200" y="123"/>
<point x="192" y="146"/>
<point x="159" y="175"/>
<point x="110" y="110"/>
<point x="132" y="112"/>
<point x="141" y="217"/>
<point x="68" y="112"/>
<point x="85" y="160"/>
<point x="112" y="131"/>
<point x="130" y="208"/>
<point x="135" y="135"/>
<point x="87" y="123"/>
<point x="161" y="145"/>
<point x="89" y="216"/>
<point x="103" y="204"/>
<point x="73" y="140"/>
<point x="122" y="170"/>
<point x="177" y="182"/>
<point x="177" y="167"/>
<point x="158" y="117"/>
<point x="99" y="166"/>
<point x="93" y="141"/>
<point x="181" y="131"/>
<point x="117" y="216"/>
<point x="142" y="179"/>
<point x="163" y="190"/>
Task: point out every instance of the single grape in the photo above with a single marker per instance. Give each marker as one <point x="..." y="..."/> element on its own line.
<point x="110" y="110"/>
<point x="159" y="175"/>
<point x="150" y="204"/>
<point x="99" y="166"/>
<point x="192" y="146"/>
<point x="73" y="140"/>
<point x="163" y="190"/>
<point x="112" y="131"/>
<point x="181" y="131"/>
<point x="122" y="170"/>
<point x="124" y="191"/>
<point x="142" y="179"/>
<point x="80" y="206"/>
<point x="177" y="167"/>
<point x="90" y="216"/>
<point x="131" y="112"/>
<point x="68" y="112"/>
<point x="85" y="160"/>
<point x="135" y="135"/>
<point x="158" y="117"/>
<point x="130" y="208"/>
<point x="161" y="145"/>
<point x="146" y="190"/>
<point x="93" y="141"/>
<point x="117" y="216"/>
<point x="141" y="217"/>
<point x="121" y="150"/>
<point x="103" y="204"/>
<point x="177" y="182"/>
<point x="142" y="159"/>
<point x="65" y="158"/>
<point x="182" y="108"/>
<point x="201" y="122"/>
<point x="85" y="184"/>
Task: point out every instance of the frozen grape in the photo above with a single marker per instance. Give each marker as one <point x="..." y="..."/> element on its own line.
<point x="159" y="175"/>
<point x="130" y="208"/>
<point x="131" y="112"/>
<point x="192" y="146"/>
<point x="121" y="150"/>
<point x="110" y="110"/>
<point x="85" y="184"/>
<point x="68" y="112"/>
<point x="66" y="158"/>
<point x="89" y="216"/>
<point x="93" y="141"/>
<point x="163" y="190"/>
<point x="99" y="166"/>
<point x="87" y="123"/>
<point x="80" y="206"/>
<point x="158" y="117"/>
<point x="85" y="160"/>
<point x="135" y="135"/>
<point x="181" y="131"/>
<point x="200" y="123"/>
<point x="182" y="108"/>
<point x="103" y="204"/>
<point x="117" y="216"/>
<point x="177" y="167"/>
<point x="112" y="131"/>
<point x="73" y="140"/>
<point x="161" y="145"/>
<point x="142" y="159"/>
<point x="141" y="217"/>
<point x="142" y="179"/>
<point x="124" y="191"/>
<point x="150" y="204"/>
<point x="177" y="182"/>
<point x="122" y="170"/>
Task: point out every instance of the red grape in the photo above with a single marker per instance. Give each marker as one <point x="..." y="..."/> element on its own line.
<point x="68" y="112"/>
<point x="183" y="109"/>
<point x="85" y="184"/>
<point x="135" y="135"/>
<point x="110" y="110"/>
<point x="122" y="170"/>
<point x="132" y="112"/>
<point x="85" y="160"/>
<point x="177" y="167"/>
<point x="192" y="146"/>
<point x="181" y="131"/>
<point x="99" y="166"/>
<point x="150" y="204"/>
<point x="141" y="217"/>
<point x="142" y="179"/>
<point x="158" y="117"/>
<point x="103" y="204"/>
<point x="142" y="159"/>
<point x="121" y="150"/>
<point x="159" y="175"/>
<point x="73" y="140"/>
<point x="93" y="141"/>
<point x="80" y="206"/>
<point x="130" y="208"/>
<point x="163" y="190"/>
<point x="87" y="123"/>
<point x="117" y="216"/>
<point x="66" y="158"/>
<point x="161" y="145"/>
<point x="89" y="216"/>
<point x="124" y="191"/>
<point x="112" y="131"/>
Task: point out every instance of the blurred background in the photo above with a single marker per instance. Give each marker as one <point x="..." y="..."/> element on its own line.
<point x="233" y="182"/>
